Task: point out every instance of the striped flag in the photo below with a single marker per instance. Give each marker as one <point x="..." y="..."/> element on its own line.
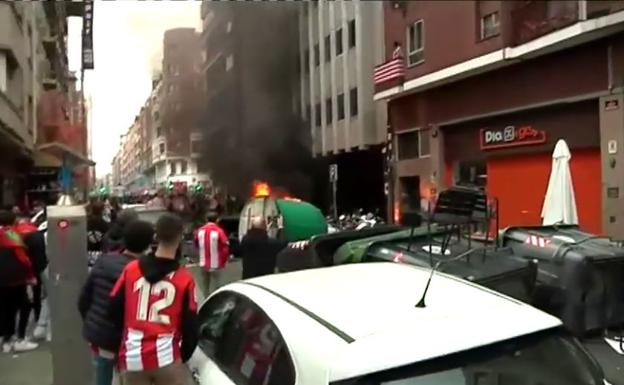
<point x="389" y="70"/>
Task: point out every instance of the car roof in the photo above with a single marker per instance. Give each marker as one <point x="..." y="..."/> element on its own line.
<point x="371" y="308"/>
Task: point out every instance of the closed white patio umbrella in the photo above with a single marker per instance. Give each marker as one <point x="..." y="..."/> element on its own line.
<point x="559" y="204"/>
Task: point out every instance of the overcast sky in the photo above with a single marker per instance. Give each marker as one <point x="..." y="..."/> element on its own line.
<point x="127" y="46"/>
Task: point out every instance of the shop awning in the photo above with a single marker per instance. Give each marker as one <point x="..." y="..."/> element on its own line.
<point x="63" y="151"/>
<point x="44" y="159"/>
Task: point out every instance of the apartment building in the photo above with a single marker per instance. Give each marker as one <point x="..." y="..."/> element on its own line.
<point x="489" y="87"/>
<point x="340" y="42"/>
<point x="33" y="62"/>
<point x="176" y="139"/>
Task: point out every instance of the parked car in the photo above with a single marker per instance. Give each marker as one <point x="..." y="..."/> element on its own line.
<point x="359" y="324"/>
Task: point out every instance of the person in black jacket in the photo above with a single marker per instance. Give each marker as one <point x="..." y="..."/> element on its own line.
<point x="258" y="251"/>
<point x="113" y="239"/>
<point x="96" y="227"/>
<point x="98" y="329"/>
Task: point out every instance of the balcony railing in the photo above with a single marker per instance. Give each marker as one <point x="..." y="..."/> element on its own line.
<point x="537" y="18"/>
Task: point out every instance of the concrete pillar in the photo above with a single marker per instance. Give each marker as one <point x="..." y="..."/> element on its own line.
<point x="67" y="251"/>
<point x="611" y="109"/>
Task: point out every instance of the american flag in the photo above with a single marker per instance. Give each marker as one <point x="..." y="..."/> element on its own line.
<point x="389" y="70"/>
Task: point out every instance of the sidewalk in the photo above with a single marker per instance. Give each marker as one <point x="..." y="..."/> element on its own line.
<point x="32" y="368"/>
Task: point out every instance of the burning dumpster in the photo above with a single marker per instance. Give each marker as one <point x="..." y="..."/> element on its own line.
<point x="287" y="218"/>
<point x="580" y="275"/>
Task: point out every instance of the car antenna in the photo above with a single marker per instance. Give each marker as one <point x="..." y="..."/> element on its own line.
<point x="421" y="303"/>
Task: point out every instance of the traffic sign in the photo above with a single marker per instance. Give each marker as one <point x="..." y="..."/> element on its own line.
<point x="333" y="172"/>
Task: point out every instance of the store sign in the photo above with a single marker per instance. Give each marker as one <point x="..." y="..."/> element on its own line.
<point x="510" y="136"/>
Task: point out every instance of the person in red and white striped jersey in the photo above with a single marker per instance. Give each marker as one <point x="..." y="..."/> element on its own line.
<point x="213" y="247"/>
<point x="154" y="301"/>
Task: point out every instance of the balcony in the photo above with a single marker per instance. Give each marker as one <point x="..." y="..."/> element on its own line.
<point x="533" y="19"/>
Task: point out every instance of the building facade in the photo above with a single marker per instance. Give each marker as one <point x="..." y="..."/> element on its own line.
<point x="340" y="43"/>
<point x="39" y="102"/>
<point x="162" y="144"/>
<point x="176" y="134"/>
<point x="484" y="102"/>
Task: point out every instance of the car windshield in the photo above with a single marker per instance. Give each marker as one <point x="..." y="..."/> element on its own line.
<point x="550" y="358"/>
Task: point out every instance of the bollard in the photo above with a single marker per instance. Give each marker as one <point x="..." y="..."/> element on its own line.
<point x="67" y="252"/>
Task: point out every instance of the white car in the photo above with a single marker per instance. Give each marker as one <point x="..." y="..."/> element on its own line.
<point x="359" y="324"/>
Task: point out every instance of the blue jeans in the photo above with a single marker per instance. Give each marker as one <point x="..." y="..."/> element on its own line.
<point x="103" y="370"/>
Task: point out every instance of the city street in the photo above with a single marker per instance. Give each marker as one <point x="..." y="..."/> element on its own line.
<point x="412" y="185"/>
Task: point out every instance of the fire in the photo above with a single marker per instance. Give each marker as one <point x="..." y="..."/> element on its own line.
<point x="261" y="190"/>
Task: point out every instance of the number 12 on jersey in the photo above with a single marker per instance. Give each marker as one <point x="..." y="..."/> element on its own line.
<point x="151" y="312"/>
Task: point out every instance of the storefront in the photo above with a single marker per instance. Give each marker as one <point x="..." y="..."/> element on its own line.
<point x="510" y="157"/>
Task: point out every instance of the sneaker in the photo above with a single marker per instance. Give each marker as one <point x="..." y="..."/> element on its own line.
<point x="7" y="348"/>
<point x="40" y="332"/>
<point x="24" y="346"/>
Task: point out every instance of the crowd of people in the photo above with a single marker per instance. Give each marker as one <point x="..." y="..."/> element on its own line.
<point x="23" y="261"/>
<point x="139" y="303"/>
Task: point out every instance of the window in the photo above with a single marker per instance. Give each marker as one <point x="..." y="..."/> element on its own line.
<point x="328" y="110"/>
<point x="317" y="113"/>
<point x="317" y="59"/>
<point x="415" y="43"/>
<point x="352" y="33"/>
<point x="413" y="144"/>
<point x="229" y="62"/>
<point x="490" y="25"/>
<point x="161" y="148"/>
<point x="228" y="27"/>
<point x="341" y="107"/>
<point x="183" y="167"/>
<point x="327" y="48"/>
<point x="229" y="325"/>
<point x="471" y="173"/>
<point x="339" y="42"/>
<point x="353" y="96"/>
<point x="308" y="111"/>
<point x="196" y="146"/>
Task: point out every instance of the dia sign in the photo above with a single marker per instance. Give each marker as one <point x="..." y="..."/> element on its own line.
<point x="510" y="136"/>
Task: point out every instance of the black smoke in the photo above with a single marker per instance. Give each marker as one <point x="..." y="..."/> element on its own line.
<point x="251" y="124"/>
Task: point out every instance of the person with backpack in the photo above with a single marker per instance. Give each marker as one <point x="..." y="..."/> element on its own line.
<point x="98" y="329"/>
<point x="154" y="305"/>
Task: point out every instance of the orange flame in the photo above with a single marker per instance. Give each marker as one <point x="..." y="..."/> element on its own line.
<point x="261" y="190"/>
<point x="396" y="213"/>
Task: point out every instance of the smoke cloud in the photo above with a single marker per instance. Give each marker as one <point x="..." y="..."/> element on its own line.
<point x="252" y="127"/>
